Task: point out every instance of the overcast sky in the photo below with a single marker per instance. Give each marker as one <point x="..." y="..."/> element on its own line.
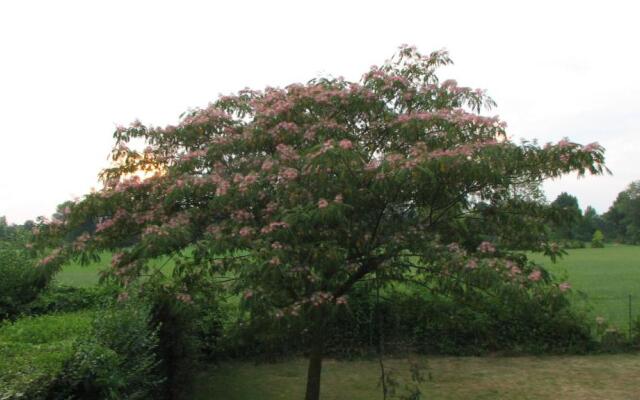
<point x="70" y="71"/>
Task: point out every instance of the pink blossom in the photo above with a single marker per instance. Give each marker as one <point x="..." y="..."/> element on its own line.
<point x="287" y="152"/>
<point x="346" y="144"/>
<point x="372" y="165"/>
<point x="338" y="199"/>
<point x="394" y="158"/>
<point x="223" y="187"/>
<point x="591" y="147"/>
<point x="245" y="231"/>
<point x="273" y="226"/>
<point x="535" y="276"/>
<point x="267" y="165"/>
<point x="81" y="241"/>
<point x="248" y="294"/>
<point x="310" y="134"/>
<point x="564" y="143"/>
<point x="184" y="298"/>
<point x="564" y="286"/>
<point x="274" y="261"/>
<point x="322" y="203"/>
<point x="289" y="174"/>
<point x="276" y="245"/>
<point x="486" y="247"/>
<point x="116" y="258"/>
<point x="472" y="264"/>
<point x="341" y="300"/>
<point x="51" y="257"/>
<point x="237" y="178"/>
<point x="105" y="224"/>
<point x="241" y="215"/>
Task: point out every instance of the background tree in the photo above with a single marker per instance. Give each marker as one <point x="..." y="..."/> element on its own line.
<point x="588" y="224"/>
<point x="299" y="194"/>
<point x="623" y="217"/>
<point x="566" y="227"/>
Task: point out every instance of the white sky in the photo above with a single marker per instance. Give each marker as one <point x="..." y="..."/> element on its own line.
<point x="71" y="70"/>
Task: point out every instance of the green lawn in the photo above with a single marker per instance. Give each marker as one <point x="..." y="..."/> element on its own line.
<point x="453" y="378"/>
<point x="607" y="276"/>
<point x="74" y="274"/>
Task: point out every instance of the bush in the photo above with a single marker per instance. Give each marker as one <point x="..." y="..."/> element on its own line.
<point x="573" y="244"/>
<point x="189" y="330"/>
<point x="61" y="299"/>
<point x="22" y="281"/>
<point x="34" y="351"/>
<point x="118" y="360"/>
<point x="428" y="323"/>
<point x="598" y="239"/>
<point x="109" y="354"/>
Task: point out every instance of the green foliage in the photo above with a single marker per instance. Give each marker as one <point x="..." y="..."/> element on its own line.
<point x="298" y="194"/>
<point x="57" y="299"/>
<point x="118" y="360"/>
<point x="105" y="355"/>
<point x="570" y="216"/>
<point x="623" y="217"/>
<point x="34" y="351"/>
<point x="597" y="241"/>
<point x="537" y="322"/>
<point x="22" y="281"/>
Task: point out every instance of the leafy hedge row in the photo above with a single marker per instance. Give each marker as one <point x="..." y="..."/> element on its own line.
<point x="107" y="354"/>
<point x="411" y="321"/>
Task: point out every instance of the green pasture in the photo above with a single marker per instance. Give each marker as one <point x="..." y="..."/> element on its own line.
<point x="75" y="274"/>
<point x="609" y="377"/>
<point x="607" y="276"/>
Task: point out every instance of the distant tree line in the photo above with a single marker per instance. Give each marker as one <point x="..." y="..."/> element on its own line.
<point x="621" y="223"/>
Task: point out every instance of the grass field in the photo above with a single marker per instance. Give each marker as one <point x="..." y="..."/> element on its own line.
<point x="607" y="276"/>
<point x="609" y="377"/>
<point x="74" y="274"/>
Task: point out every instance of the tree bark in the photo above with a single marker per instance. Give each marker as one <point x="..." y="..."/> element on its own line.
<point x="315" y="358"/>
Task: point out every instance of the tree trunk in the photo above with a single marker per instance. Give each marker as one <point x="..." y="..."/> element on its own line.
<point x="315" y="359"/>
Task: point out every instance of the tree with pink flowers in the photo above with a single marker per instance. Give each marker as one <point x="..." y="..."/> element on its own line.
<point x="301" y="193"/>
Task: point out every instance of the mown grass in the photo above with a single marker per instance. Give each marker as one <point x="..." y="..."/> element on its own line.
<point x="453" y="378"/>
<point x="607" y="276"/>
<point x="77" y="275"/>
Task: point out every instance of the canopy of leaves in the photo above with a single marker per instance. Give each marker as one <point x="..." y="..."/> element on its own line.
<point x="298" y="193"/>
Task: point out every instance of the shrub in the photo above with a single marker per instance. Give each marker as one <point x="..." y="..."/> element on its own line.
<point x="189" y="329"/>
<point x="34" y="351"/>
<point x="58" y="299"/>
<point x="118" y="361"/>
<point x="21" y="280"/>
<point x="598" y="239"/>
<point x="103" y="355"/>
<point x="411" y="320"/>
